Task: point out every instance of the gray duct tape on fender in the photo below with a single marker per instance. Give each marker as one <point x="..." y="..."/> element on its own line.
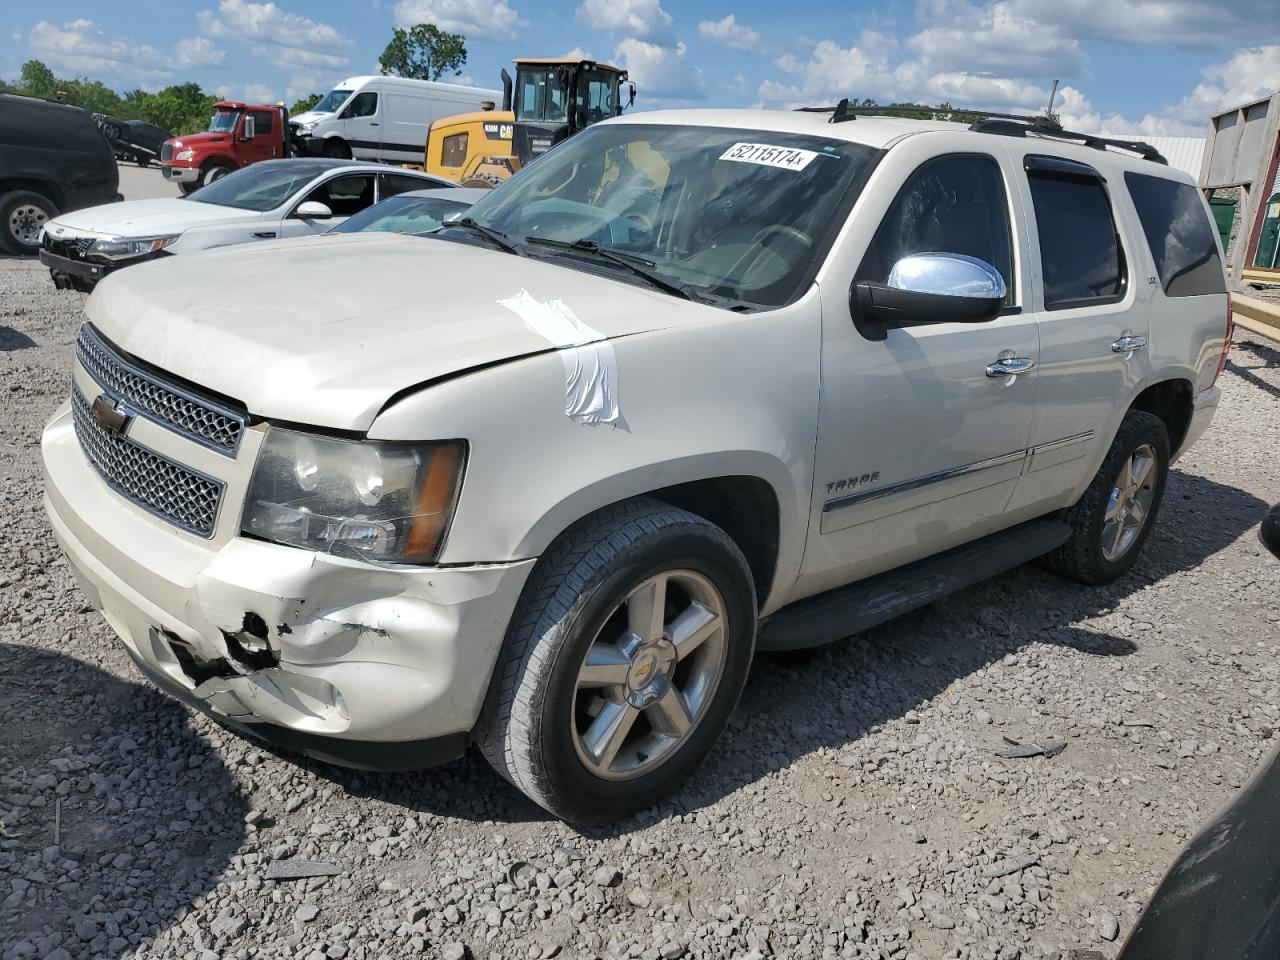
<point x="590" y="366"/>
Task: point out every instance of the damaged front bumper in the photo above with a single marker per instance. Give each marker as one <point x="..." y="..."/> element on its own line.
<point x="383" y="667"/>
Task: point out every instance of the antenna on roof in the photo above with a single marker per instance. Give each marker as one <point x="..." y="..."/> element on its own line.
<point x="1053" y="95"/>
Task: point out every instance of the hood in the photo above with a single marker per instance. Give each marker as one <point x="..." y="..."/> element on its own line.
<point x="324" y="330"/>
<point x="146" y="218"/>
<point x="205" y="139"/>
<point x="307" y="116"/>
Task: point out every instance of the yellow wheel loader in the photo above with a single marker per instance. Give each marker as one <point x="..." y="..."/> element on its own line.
<point x="549" y="101"/>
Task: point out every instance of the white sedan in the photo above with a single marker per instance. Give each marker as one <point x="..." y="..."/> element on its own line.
<point x="271" y="200"/>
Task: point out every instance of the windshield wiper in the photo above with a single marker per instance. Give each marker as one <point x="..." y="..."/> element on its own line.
<point x="496" y="237"/>
<point x="639" y="266"/>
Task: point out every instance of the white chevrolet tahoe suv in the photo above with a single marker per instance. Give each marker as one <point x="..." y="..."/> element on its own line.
<point x="694" y="384"/>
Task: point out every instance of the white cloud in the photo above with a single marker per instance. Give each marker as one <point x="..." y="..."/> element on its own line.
<point x="577" y="53"/>
<point x="1000" y="42"/>
<point x="303" y="85"/>
<point x="258" y="93"/>
<point x="296" y="58"/>
<point x="831" y="72"/>
<point x="198" y="52"/>
<point x="730" y="33"/>
<point x="239" y="20"/>
<point x="661" y="73"/>
<point x="80" y="47"/>
<point x="471" y="18"/>
<point x="1190" y="23"/>
<point x="644" y="19"/>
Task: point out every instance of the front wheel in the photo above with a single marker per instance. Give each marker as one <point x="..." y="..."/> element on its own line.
<point x="1112" y="521"/>
<point x="23" y="215"/>
<point x="625" y="657"/>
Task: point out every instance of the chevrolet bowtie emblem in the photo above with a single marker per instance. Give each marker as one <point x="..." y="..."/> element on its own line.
<point x="110" y="414"/>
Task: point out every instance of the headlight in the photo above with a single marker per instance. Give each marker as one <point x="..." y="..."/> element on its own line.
<point x="371" y="499"/>
<point x="124" y="248"/>
<point x="310" y="125"/>
<point x="184" y="154"/>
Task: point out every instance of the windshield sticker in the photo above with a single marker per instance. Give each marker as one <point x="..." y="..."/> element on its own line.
<point x="786" y="158"/>
<point x="590" y="365"/>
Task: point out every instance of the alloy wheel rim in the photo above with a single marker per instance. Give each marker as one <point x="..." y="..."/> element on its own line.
<point x="25" y="223"/>
<point x="649" y="675"/>
<point x="1129" y="505"/>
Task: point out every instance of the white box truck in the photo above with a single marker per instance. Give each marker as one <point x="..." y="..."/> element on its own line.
<point x="383" y="118"/>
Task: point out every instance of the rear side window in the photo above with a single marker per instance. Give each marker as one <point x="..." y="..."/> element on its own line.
<point x="261" y="122"/>
<point x="397" y="183"/>
<point x="1080" y="254"/>
<point x="950" y="204"/>
<point x="1183" y="242"/>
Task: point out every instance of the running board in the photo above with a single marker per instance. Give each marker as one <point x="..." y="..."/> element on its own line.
<point x="860" y="606"/>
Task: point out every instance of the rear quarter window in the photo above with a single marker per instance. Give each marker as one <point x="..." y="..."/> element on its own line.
<point x="1183" y="243"/>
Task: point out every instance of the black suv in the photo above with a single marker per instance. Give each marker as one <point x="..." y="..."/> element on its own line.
<point x="53" y="158"/>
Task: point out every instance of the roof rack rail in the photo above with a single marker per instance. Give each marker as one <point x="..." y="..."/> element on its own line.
<point x="1015" y="125"/>
<point x="841" y="112"/>
<point x="1002" y="124"/>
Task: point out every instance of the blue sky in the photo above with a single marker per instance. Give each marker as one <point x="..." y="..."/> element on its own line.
<point x="1149" y="66"/>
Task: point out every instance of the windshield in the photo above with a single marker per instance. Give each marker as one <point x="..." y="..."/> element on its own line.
<point x="738" y="214"/>
<point x="332" y="101"/>
<point x="402" y="215"/>
<point x="539" y="95"/>
<point x="224" y="121"/>
<point x="262" y="186"/>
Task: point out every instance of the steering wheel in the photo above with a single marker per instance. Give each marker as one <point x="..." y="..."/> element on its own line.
<point x="798" y="237"/>
<point x="746" y="264"/>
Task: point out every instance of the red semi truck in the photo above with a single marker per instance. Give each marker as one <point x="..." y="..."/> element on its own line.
<point x="239" y="134"/>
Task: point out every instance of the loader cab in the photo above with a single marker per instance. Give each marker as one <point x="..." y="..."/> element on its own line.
<point x="554" y="99"/>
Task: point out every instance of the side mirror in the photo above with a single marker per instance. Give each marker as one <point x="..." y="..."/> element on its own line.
<point x="246" y="132"/>
<point x="932" y="288"/>
<point x="313" y="210"/>
<point x="1270" y="532"/>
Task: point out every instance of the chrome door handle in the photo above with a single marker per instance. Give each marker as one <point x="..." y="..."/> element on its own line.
<point x="1011" y="367"/>
<point x="1128" y="344"/>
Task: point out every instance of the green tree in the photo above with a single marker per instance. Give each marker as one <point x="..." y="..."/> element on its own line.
<point x="424" y="52"/>
<point x="306" y="103"/>
<point x="182" y="108"/>
<point x="38" y="80"/>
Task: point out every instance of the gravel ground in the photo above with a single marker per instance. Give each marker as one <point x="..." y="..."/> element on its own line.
<point x="856" y="808"/>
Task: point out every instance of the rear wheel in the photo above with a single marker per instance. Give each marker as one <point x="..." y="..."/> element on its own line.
<point x="22" y="215"/>
<point x="624" y="660"/>
<point x="1112" y="521"/>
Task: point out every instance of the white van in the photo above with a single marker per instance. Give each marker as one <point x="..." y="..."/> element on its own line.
<point x="383" y="118"/>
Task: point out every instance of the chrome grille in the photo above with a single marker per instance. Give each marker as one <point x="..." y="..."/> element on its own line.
<point x="194" y="417"/>
<point x="157" y="484"/>
<point x="74" y="248"/>
<point x="166" y="152"/>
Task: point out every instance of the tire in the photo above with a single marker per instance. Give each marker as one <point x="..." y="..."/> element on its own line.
<point x="22" y="214"/>
<point x="1098" y="551"/>
<point x="336" y="149"/>
<point x="482" y="180"/>
<point x="539" y="719"/>
<point x="212" y="172"/>
<point x="188" y="188"/>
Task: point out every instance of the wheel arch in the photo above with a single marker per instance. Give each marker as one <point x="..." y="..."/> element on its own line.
<point x="218" y="160"/>
<point x="745" y="493"/>
<point x="45" y="188"/>
<point x="1172" y="399"/>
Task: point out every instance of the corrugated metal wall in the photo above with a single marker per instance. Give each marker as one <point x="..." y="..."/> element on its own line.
<point x="1183" y="153"/>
